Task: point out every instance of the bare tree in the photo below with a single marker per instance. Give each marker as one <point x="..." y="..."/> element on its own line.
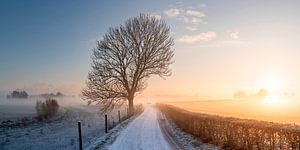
<point x="125" y="58"/>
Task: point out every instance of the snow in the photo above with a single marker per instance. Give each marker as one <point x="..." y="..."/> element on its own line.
<point x="107" y="139"/>
<point x="139" y="132"/>
<point x="182" y="140"/>
<point x="59" y="133"/>
<point x="142" y="133"/>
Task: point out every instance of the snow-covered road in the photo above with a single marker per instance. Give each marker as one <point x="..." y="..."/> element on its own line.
<point x="143" y="133"/>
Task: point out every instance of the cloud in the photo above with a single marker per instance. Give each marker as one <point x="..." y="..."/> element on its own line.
<point x="234" y="35"/>
<point x="191" y="28"/>
<point x="191" y="16"/>
<point x="195" y="20"/>
<point x="194" y="13"/>
<point x="172" y="12"/>
<point x="189" y="39"/>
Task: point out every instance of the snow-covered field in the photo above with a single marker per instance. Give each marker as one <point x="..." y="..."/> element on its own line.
<point x="61" y="132"/>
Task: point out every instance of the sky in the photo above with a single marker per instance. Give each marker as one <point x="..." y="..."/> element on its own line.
<point x="221" y="46"/>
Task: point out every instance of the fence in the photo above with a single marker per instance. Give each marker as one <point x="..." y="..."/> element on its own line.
<point x="234" y="133"/>
<point x="110" y="122"/>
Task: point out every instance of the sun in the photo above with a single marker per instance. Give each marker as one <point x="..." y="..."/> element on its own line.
<point x="272" y="101"/>
<point x="272" y="83"/>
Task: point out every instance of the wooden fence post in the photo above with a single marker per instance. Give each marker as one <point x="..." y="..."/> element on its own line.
<point x="127" y="112"/>
<point x="119" y="116"/>
<point x="80" y="136"/>
<point x="106" y="128"/>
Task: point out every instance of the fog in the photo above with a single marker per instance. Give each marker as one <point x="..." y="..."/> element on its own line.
<point x="274" y="110"/>
<point x="20" y="129"/>
<point x="17" y="108"/>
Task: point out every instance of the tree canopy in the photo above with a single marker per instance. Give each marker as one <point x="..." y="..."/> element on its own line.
<point x="125" y="58"/>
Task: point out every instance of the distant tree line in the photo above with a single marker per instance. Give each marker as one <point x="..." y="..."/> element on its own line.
<point x="24" y="94"/>
<point x="49" y="95"/>
<point x="18" y="94"/>
<point x="234" y="133"/>
<point x="262" y="93"/>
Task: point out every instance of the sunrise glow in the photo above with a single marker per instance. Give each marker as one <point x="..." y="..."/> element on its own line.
<point x="72" y="71"/>
<point x="273" y="83"/>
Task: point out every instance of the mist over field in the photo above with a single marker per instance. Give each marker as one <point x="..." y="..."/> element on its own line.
<point x="17" y="108"/>
<point x="150" y="75"/>
<point x="19" y="129"/>
<point x="285" y="110"/>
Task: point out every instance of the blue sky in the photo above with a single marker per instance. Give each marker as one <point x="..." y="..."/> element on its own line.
<point x="221" y="46"/>
<point x="50" y="41"/>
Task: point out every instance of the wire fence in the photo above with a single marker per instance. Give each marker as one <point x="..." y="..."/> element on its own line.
<point x="20" y="128"/>
<point x="111" y="120"/>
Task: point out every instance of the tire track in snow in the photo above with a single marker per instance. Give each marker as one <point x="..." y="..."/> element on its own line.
<point x="143" y="133"/>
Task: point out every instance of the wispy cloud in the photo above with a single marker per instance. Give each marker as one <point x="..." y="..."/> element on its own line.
<point x="188" y="15"/>
<point x="234" y="35"/>
<point x="172" y="12"/>
<point x="194" y="13"/>
<point x="193" y="17"/>
<point x="190" y="28"/>
<point x="206" y="36"/>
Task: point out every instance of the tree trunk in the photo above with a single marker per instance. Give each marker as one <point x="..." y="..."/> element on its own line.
<point x="131" y="106"/>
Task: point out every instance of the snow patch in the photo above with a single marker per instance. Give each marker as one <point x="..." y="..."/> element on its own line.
<point x="182" y="139"/>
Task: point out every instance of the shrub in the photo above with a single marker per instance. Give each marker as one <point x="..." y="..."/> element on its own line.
<point x="138" y="109"/>
<point x="46" y="109"/>
<point x="235" y="133"/>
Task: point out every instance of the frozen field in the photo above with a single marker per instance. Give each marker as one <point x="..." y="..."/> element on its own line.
<point x="61" y="132"/>
<point x="283" y="111"/>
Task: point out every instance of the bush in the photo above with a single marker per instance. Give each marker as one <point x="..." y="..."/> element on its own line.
<point x="46" y="109"/>
<point x="138" y="109"/>
<point x="235" y="133"/>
